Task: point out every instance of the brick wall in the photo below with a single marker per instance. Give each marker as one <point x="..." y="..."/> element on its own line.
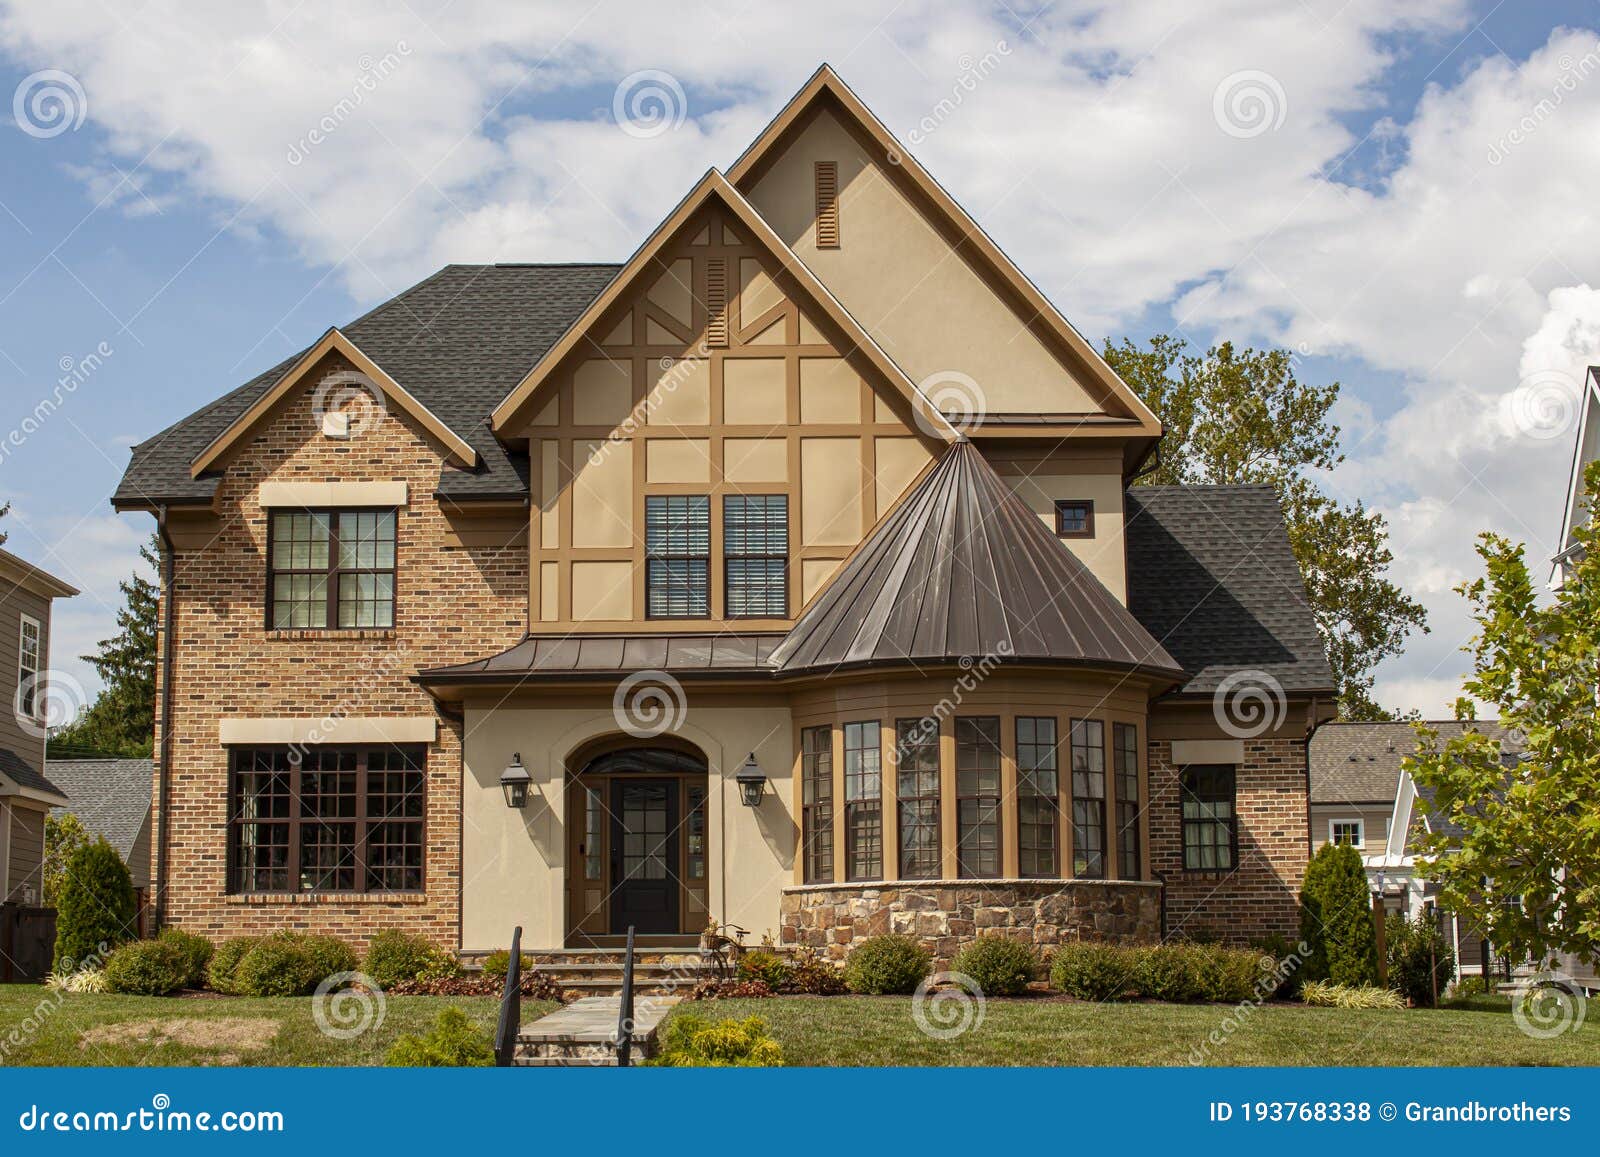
<point x="1260" y="896"/>
<point x="452" y="603"/>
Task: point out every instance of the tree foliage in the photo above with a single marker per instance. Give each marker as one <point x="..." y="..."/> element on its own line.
<point x="96" y="909"/>
<point x="64" y="834"/>
<point x="1527" y="861"/>
<point x="1241" y="416"/>
<point x="1336" y="918"/>
<point x="121" y="720"/>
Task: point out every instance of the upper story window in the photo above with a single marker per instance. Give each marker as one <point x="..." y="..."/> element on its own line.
<point x="755" y="547"/>
<point x="1075" y="518"/>
<point x="30" y="651"/>
<point x="677" y="556"/>
<point x="1346" y="832"/>
<point x="1125" y="752"/>
<point x="326" y="819"/>
<point x="1088" y="798"/>
<point x="1209" y="821"/>
<point x="1037" y="792"/>
<point x="330" y="568"/>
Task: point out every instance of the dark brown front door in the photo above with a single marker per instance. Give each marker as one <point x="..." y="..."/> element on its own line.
<point x="644" y="856"/>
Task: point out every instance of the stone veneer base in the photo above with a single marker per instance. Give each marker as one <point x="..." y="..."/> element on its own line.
<point x="945" y="914"/>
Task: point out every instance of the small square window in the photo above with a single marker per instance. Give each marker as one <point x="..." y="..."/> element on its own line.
<point x="1346" y="832"/>
<point x="1074" y="518"/>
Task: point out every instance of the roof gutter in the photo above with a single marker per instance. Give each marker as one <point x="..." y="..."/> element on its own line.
<point x="164" y="764"/>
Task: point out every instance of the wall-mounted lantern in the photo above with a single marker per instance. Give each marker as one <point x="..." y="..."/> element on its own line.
<point x="515" y="781"/>
<point x="752" y="782"/>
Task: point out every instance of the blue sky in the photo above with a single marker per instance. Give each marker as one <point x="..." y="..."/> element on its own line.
<point x="172" y="228"/>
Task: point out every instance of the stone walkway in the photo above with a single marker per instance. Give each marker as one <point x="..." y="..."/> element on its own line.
<point x="583" y="1032"/>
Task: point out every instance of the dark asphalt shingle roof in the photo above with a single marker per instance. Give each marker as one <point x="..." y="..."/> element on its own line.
<point x="963" y="569"/>
<point x="22" y="773"/>
<point x="110" y="796"/>
<point x="1360" y="762"/>
<point x="1211" y="575"/>
<point x="459" y="341"/>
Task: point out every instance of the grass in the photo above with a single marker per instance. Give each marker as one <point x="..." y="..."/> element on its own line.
<point x="864" y="1030"/>
<point x="41" y="1027"/>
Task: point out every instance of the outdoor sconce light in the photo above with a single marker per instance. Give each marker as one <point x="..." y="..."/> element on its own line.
<point x="752" y="782"/>
<point x="515" y="781"/>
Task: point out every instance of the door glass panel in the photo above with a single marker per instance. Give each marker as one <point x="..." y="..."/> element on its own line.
<point x="644" y="832"/>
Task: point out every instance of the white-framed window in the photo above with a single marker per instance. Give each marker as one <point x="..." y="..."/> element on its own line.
<point x="1346" y="832"/>
<point x="30" y="649"/>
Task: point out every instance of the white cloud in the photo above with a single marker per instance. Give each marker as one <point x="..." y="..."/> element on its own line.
<point x="1091" y="150"/>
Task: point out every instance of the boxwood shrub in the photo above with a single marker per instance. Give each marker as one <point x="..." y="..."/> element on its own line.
<point x="197" y="952"/>
<point x="1091" y="971"/>
<point x="147" y="968"/>
<point x="394" y="957"/>
<point x="290" y="964"/>
<point x="1001" y="967"/>
<point x="221" y="973"/>
<point x="882" y="965"/>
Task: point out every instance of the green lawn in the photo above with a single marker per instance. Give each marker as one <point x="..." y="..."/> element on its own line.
<point x="881" y="1031"/>
<point x="93" y="1029"/>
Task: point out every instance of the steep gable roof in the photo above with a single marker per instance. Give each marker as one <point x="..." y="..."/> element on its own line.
<point x="962" y="569"/>
<point x="19" y="777"/>
<point x="1211" y="574"/>
<point x="714" y="188"/>
<point x="973" y="243"/>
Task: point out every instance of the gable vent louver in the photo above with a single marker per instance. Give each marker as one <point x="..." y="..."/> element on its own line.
<point x="827" y="173"/>
<point x="717" y="302"/>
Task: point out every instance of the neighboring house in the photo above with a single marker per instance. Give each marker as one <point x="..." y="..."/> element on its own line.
<point x="683" y="560"/>
<point x="111" y="797"/>
<point x="1355" y="768"/>
<point x="26" y="593"/>
<point x="1585" y="451"/>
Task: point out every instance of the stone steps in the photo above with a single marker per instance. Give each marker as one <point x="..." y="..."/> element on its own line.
<point x="584" y="1033"/>
<point x="598" y="971"/>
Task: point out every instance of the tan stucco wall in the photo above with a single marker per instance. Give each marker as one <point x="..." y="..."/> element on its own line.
<point x="513" y="868"/>
<point x="1105" y="554"/>
<point x="928" y="308"/>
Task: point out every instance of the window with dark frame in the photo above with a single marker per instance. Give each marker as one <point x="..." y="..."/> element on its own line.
<point x="1074" y="518"/>
<point x="1210" y="831"/>
<point x="917" y="796"/>
<point x="816" y="812"/>
<point x="330" y="569"/>
<point x="1125" y="754"/>
<point x="30" y="649"/>
<point x="677" y="540"/>
<point x="1346" y="832"/>
<point x="977" y="795"/>
<point x="755" y="551"/>
<point x="1038" y="789"/>
<point x="863" y="801"/>
<point x="326" y="819"/>
<point x="1088" y="799"/>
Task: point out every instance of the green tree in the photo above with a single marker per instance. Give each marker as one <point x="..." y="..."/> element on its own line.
<point x="64" y="834"/>
<point x="1527" y="861"/>
<point x="1336" y="918"/>
<point x="96" y="909"/>
<point x="1240" y="415"/>
<point x="121" y="720"/>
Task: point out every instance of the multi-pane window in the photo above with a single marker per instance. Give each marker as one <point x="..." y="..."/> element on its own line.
<point x="594" y="813"/>
<point x="863" y="801"/>
<point x="30" y="647"/>
<point x="755" y="548"/>
<point x="1346" y="832"/>
<point x="816" y="818"/>
<point x="677" y="539"/>
<point x="1037" y="790"/>
<point x="1209" y="833"/>
<point x="1075" y="519"/>
<point x="695" y="844"/>
<point x="1125" y="753"/>
<point x="1088" y="798"/>
<point x="331" y="568"/>
<point x="326" y="819"/>
<point x="978" y="795"/>
<point x="917" y="793"/>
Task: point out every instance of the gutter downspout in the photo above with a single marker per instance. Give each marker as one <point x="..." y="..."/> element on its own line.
<point x="164" y="781"/>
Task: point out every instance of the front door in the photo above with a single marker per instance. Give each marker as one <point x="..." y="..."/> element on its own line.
<point x="644" y="854"/>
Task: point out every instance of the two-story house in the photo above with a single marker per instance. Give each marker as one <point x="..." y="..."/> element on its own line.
<point x="787" y="575"/>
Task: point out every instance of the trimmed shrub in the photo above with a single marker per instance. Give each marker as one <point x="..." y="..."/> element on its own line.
<point x="290" y="964"/>
<point x="197" y="952"/>
<point x="1336" y="918"/>
<point x="96" y="908"/>
<point x="1421" y="960"/>
<point x="453" y="1042"/>
<point x="887" y="965"/>
<point x="395" y="957"/>
<point x="1325" y="994"/>
<point x="221" y="972"/>
<point x="1288" y="961"/>
<point x="767" y="967"/>
<point x="147" y="968"/>
<point x="1091" y="971"/>
<point x="498" y="962"/>
<point x="1001" y="967"/>
<point x="692" y="1041"/>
